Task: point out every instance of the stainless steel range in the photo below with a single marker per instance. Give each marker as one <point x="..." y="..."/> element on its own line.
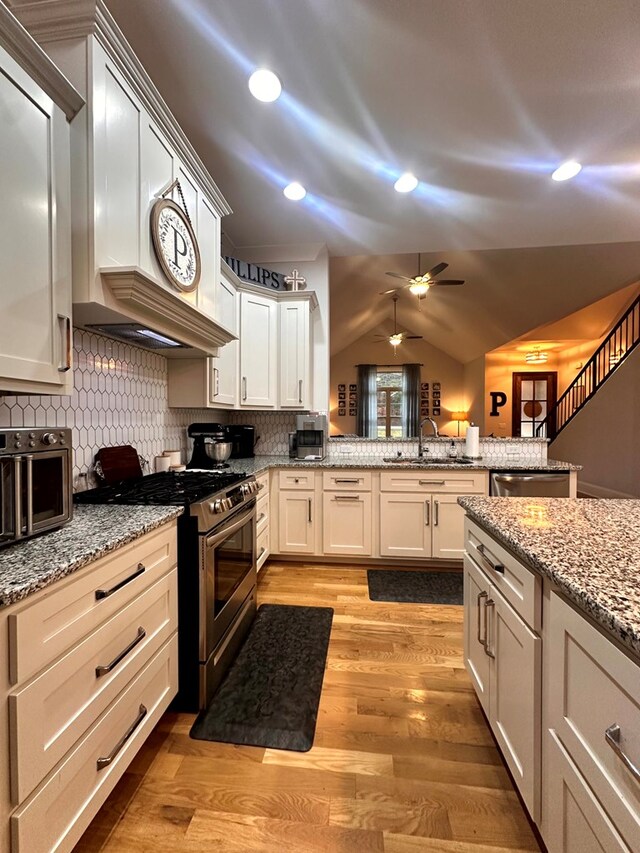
<point x="216" y="567"/>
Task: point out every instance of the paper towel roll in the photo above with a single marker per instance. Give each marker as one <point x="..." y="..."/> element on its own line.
<point x="472" y="444"/>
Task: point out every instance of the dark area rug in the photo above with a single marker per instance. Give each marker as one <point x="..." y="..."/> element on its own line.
<point x="415" y="587"/>
<point x="271" y="693"/>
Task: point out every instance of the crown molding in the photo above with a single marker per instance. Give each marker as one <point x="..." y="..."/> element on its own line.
<point x="21" y="46"/>
<point x="60" y="20"/>
<point x="142" y="299"/>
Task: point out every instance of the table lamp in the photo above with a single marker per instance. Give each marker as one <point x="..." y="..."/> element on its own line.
<point x="459" y="416"/>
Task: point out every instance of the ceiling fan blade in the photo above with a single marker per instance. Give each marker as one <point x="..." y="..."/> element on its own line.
<point x="412" y="338"/>
<point x="449" y="282"/>
<point x="435" y="270"/>
<point x="393" y="290"/>
<point x="397" y="275"/>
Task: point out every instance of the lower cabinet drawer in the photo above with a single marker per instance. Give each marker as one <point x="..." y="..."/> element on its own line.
<point x="350" y="481"/>
<point x="594" y="705"/>
<point x="57" y="813"/>
<point x="262" y="547"/>
<point x="49" y="714"/>
<point x="296" y="479"/>
<point x="574" y="819"/>
<point x="262" y="514"/>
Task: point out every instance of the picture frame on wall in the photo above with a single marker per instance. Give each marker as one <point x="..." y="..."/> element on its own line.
<point x="352" y="411"/>
<point x="436" y="386"/>
<point x="342" y="395"/>
<point x="424" y="395"/>
<point x="342" y="413"/>
<point x="436" y="395"/>
<point x="436" y="412"/>
<point x="342" y="387"/>
<point x="353" y="387"/>
<point x="353" y="398"/>
<point x="424" y="386"/>
<point x="424" y="411"/>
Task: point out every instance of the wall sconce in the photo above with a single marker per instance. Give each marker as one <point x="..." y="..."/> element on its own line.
<point x="536" y="357"/>
<point x="459" y="416"/>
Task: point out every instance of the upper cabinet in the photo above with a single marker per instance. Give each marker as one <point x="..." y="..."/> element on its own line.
<point x="127" y="152"/>
<point x="36" y="104"/>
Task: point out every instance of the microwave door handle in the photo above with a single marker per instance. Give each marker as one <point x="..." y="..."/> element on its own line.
<point x="29" y="473"/>
<point x="17" y="497"/>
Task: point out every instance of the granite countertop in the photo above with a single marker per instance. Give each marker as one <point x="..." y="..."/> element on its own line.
<point x="259" y="464"/>
<point x="94" y="531"/>
<point x="590" y="548"/>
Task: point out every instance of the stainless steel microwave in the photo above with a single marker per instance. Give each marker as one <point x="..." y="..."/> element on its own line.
<point x="36" y="492"/>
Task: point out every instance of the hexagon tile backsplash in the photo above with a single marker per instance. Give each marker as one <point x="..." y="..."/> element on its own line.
<point x="119" y="397"/>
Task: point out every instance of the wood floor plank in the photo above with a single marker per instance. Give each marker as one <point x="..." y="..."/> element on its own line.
<point x="402" y="760"/>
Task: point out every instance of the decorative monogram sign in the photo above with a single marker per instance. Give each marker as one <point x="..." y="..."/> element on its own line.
<point x="257" y="275"/>
<point x="175" y="243"/>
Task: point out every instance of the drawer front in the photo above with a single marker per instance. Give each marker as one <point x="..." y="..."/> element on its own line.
<point x="262" y="513"/>
<point x="574" y="819"/>
<point x="437" y="481"/>
<point x="43" y="630"/>
<point x="262" y="547"/>
<point x="263" y="482"/>
<point x="346" y="481"/>
<point x="57" y="813"/>
<point x="296" y="479"/>
<point x="521" y="586"/>
<point x="594" y="686"/>
<point x="55" y="709"/>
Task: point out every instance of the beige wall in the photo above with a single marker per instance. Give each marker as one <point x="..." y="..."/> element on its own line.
<point x="474" y="391"/>
<point x="604" y="436"/>
<point x="437" y="367"/>
<point x="499" y="370"/>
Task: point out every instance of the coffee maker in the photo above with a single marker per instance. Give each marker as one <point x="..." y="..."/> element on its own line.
<point x="311" y="436"/>
<point x="243" y="440"/>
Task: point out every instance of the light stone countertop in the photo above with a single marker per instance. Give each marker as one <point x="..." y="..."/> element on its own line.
<point x="259" y="464"/>
<point x="590" y="548"/>
<point x="94" y="531"/>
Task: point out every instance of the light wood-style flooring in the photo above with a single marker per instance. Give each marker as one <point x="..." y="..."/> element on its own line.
<point x="403" y="760"/>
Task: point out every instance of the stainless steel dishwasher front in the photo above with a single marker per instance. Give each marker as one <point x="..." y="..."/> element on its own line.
<point x="525" y="484"/>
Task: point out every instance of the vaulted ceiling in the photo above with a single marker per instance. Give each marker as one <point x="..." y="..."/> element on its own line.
<point x="481" y="99"/>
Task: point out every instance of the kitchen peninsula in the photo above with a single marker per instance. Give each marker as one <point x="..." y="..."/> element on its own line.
<point x="552" y="645"/>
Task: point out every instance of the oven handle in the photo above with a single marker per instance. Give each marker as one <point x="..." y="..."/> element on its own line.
<point x="239" y="521"/>
<point x="17" y="497"/>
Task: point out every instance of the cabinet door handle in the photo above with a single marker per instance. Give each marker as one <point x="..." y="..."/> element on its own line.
<point x="66" y="321"/>
<point x="105" y="593"/>
<point x="612" y="737"/>
<point x="106" y="668"/>
<point x="483" y="642"/>
<point x="431" y="482"/>
<point x="101" y="763"/>
<point x="216" y="381"/>
<point x="490" y="604"/>
<point x="497" y="567"/>
<point x="345" y="480"/>
<point x="427" y="510"/>
<point x="347" y="497"/>
<point x="244" y="387"/>
<point x="309" y="502"/>
<point x="435" y="513"/>
<point x="299" y="390"/>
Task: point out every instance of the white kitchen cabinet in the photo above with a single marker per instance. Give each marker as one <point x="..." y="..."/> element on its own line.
<point x="405" y="526"/>
<point x="296" y="521"/>
<point x="35" y="219"/>
<point x="295" y="355"/>
<point x="258" y="351"/>
<point x="447" y="530"/>
<point x="503" y="656"/>
<point x="346" y="523"/>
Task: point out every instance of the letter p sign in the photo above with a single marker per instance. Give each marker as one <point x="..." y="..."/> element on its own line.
<point x="498" y="399"/>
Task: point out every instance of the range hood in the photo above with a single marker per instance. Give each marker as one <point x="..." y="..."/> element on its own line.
<point x="136" y="308"/>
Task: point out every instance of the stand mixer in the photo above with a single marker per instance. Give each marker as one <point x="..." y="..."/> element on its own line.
<point x="211" y="446"/>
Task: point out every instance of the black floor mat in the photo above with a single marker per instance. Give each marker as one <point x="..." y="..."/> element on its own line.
<point x="271" y="693"/>
<point x="415" y="587"/>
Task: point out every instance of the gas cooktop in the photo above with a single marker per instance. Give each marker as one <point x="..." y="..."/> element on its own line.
<point x="171" y="488"/>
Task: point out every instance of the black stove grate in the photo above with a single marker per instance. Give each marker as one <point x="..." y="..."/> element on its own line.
<point x="173" y="488"/>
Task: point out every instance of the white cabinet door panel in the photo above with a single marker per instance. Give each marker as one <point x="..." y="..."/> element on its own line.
<point x="447" y="527"/>
<point x="346" y="524"/>
<point x="258" y="351"/>
<point x="294" y="355"/>
<point x="476" y="659"/>
<point x="405" y="525"/>
<point x="296" y="522"/>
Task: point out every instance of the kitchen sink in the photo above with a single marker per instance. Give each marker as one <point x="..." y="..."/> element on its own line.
<point x="430" y="461"/>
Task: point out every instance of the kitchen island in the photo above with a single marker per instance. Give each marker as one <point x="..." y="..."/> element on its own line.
<point x="552" y="646"/>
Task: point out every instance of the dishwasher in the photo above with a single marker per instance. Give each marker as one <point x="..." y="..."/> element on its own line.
<point x="529" y="484"/>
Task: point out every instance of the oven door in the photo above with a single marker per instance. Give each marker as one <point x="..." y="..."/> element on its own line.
<point x="228" y="576"/>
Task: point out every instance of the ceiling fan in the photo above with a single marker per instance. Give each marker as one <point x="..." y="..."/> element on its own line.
<point x="397" y="337"/>
<point x="420" y="284"/>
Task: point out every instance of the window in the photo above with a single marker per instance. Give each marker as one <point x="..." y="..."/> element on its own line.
<point x="389" y="391"/>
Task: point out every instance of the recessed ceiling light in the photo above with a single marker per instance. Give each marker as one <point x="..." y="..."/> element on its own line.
<point x="294" y="191"/>
<point x="567" y="170"/>
<point x="265" y="85"/>
<point x="406" y="183"/>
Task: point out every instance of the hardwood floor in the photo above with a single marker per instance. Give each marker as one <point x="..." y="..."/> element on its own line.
<point x="402" y="761"/>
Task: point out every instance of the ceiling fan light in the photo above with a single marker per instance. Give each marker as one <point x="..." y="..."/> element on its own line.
<point x="395" y="340"/>
<point x="419" y="287"/>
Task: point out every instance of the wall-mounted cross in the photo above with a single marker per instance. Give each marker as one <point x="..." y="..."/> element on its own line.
<point x="295" y="281"/>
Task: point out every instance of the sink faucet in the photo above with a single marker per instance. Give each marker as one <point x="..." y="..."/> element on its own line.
<point x="435" y="432"/>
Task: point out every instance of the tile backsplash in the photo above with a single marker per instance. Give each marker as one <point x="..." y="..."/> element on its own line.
<point x="119" y="397"/>
<point x="272" y="429"/>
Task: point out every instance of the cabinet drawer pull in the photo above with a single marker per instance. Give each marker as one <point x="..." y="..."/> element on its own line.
<point x="260" y="517"/>
<point x="483" y="642"/>
<point x="427" y="510"/>
<point x="347" y="497"/>
<point x="345" y="480"/>
<point x="262" y="550"/>
<point x="612" y="736"/>
<point x="490" y="604"/>
<point x="431" y="482"/>
<point x="497" y="567"/>
<point x="101" y="763"/>
<point x="105" y="593"/>
<point x="435" y="513"/>
<point x="309" y="510"/>
<point x="106" y="668"/>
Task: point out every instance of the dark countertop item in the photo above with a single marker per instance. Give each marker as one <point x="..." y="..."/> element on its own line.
<point x="94" y="531"/>
<point x="590" y="548"/>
